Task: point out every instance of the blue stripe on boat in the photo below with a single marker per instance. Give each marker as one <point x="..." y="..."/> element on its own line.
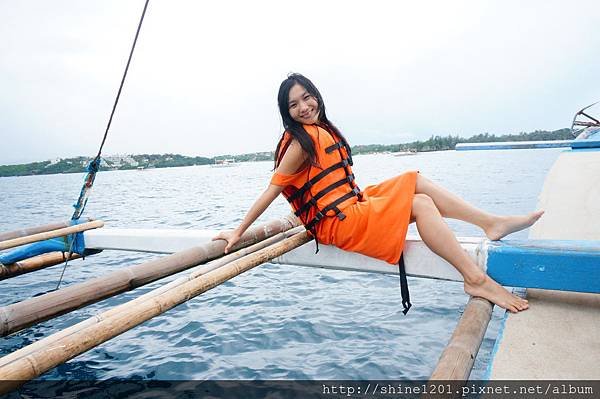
<point x="577" y="144"/>
<point x="513" y="145"/>
<point x="548" y="264"/>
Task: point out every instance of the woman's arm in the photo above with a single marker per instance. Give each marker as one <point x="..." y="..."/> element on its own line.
<point x="262" y="203"/>
<point x="292" y="161"/>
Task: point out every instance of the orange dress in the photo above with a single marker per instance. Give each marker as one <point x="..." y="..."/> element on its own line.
<point x="375" y="225"/>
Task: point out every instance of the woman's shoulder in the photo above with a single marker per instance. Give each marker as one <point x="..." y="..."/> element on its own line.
<point x="289" y="144"/>
<point x="286" y="140"/>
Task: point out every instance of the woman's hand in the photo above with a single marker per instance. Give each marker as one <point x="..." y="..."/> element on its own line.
<point x="231" y="236"/>
<point x="265" y="199"/>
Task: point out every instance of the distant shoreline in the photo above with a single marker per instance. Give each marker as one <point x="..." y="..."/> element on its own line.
<point x="155" y="161"/>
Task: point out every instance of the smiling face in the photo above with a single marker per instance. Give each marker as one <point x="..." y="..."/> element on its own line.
<point x="303" y="106"/>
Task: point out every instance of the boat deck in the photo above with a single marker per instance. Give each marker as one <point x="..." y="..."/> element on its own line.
<point x="557" y="338"/>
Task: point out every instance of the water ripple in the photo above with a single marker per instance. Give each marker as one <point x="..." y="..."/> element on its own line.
<point x="274" y="322"/>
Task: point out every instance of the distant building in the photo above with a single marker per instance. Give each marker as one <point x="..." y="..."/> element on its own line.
<point x="54" y="161"/>
<point x="117" y="161"/>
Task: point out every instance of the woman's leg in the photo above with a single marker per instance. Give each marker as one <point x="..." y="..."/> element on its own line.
<point x="439" y="238"/>
<point x="452" y="206"/>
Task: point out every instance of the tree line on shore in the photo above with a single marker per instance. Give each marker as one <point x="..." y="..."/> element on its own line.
<point x="146" y="161"/>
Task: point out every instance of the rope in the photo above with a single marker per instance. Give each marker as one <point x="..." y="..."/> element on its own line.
<point x="137" y="33"/>
<point x="94" y="165"/>
<point x="62" y="274"/>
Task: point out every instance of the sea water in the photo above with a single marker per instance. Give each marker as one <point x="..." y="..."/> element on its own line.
<point x="275" y="321"/>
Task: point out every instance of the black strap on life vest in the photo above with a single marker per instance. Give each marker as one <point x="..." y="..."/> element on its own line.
<point x="404" y="286"/>
<point x="305" y="207"/>
<point x="320" y="214"/>
<point x="306" y="186"/>
<point x="313" y="201"/>
<point x="333" y="206"/>
<point x="338" y="145"/>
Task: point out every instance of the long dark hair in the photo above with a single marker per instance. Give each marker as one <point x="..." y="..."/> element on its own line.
<point x="296" y="129"/>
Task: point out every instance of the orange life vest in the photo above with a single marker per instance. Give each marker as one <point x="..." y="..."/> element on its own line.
<point x="329" y="189"/>
<point x="330" y="186"/>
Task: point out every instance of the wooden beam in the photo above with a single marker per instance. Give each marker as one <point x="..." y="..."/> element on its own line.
<point x="195" y="273"/>
<point x="23" y="314"/>
<point x="34" y="263"/>
<point x="34" y="364"/>
<point x="9" y="235"/>
<point x="77" y="228"/>
<point x="459" y="355"/>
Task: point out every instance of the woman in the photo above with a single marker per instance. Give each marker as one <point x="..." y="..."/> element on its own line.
<point x="313" y="171"/>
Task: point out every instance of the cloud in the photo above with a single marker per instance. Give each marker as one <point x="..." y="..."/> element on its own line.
<point x="204" y="77"/>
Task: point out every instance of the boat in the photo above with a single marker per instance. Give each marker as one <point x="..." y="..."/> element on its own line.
<point x="557" y="268"/>
<point x="224" y="163"/>
<point x="514" y="145"/>
<point x="404" y="153"/>
<point x="557" y="338"/>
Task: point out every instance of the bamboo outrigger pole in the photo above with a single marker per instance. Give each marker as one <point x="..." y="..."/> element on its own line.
<point x="459" y="355"/>
<point x="65" y="231"/>
<point x="23" y="314"/>
<point x="34" y="364"/>
<point x="9" y="235"/>
<point x="195" y="273"/>
<point x="35" y="263"/>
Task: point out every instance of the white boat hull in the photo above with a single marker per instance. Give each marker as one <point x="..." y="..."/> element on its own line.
<point x="419" y="260"/>
<point x="549" y="264"/>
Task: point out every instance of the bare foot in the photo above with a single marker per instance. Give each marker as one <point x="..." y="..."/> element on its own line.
<point x="487" y="288"/>
<point x="506" y="225"/>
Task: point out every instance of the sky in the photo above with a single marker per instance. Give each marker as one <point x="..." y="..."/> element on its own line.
<point x="205" y="74"/>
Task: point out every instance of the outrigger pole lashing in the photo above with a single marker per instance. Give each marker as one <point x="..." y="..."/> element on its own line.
<point x="35" y="263"/>
<point x="48" y="245"/>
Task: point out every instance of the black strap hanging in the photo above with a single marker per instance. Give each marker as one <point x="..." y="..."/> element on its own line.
<point x="404" y="286"/>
